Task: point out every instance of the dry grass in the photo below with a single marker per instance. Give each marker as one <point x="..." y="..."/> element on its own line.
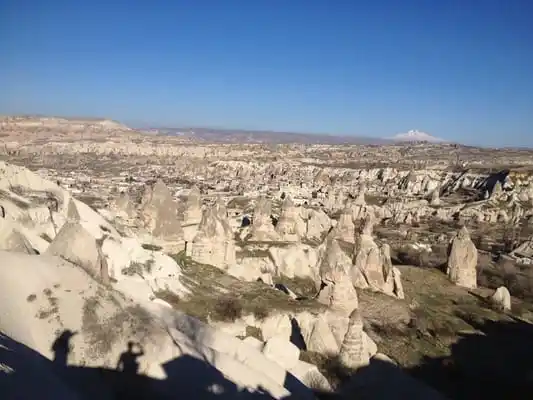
<point x="302" y="287"/>
<point x="506" y="272"/>
<point x="227" y="309"/>
<point x="210" y="287"/>
<point x="104" y="333"/>
<point x="440" y="312"/>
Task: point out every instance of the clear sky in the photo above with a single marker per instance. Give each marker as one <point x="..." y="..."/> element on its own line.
<point x="457" y="69"/>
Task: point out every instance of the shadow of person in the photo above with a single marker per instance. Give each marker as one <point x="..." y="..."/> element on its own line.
<point x="61" y="348"/>
<point x="130" y="386"/>
<point x="127" y="363"/>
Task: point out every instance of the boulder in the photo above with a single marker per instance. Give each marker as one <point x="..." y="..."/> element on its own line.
<point x="502" y="298"/>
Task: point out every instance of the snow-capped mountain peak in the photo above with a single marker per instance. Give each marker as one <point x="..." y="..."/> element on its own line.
<point x="416" y="136"/>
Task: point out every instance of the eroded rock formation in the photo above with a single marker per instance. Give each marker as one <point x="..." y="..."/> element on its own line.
<point x="160" y="213"/>
<point x="462" y="260"/>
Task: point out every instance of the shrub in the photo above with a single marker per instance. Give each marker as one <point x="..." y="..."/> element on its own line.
<point x="260" y="312"/>
<point x="151" y="247"/>
<point x="410" y="256"/>
<point x="506" y="273"/>
<point x="227" y="309"/>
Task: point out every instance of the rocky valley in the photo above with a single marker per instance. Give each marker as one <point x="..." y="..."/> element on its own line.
<point x="135" y="265"/>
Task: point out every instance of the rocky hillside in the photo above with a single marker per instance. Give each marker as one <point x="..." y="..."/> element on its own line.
<point x="245" y="271"/>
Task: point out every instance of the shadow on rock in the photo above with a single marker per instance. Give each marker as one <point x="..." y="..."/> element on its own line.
<point x="26" y="374"/>
<point x="494" y="363"/>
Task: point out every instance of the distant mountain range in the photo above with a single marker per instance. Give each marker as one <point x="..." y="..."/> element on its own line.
<point x="267" y="137"/>
<point x="215" y="135"/>
<point x="416" y="136"/>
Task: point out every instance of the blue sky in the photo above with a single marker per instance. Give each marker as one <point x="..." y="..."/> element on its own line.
<point x="457" y="69"/>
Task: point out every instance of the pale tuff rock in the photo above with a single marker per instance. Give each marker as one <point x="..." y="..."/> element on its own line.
<point x="367" y="263"/>
<point x="372" y="267"/>
<point x="222" y="214"/>
<point x="497" y="190"/>
<point x="502" y="217"/>
<point x="297" y="260"/>
<point x="322" y="178"/>
<point x="282" y="351"/>
<point x="526" y="194"/>
<point x="139" y="272"/>
<point x="398" y="286"/>
<point x="123" y="206"/>
<point x="435" y="197"/>
<point x="386" y="261"/>
<point x="309" y="375"/>
<point x="502" y="298"/>
<point x="517" y="213"/>
<point x="353" y="353"/>
<point x="368" y="225"/>
<point x="254" y="343"/>
<point x="12" y="176"/>
<point x="72" y="212"/>
<point x="361" y="211"/>
<point x="345" y="228"/>
<point x="334" y="201"/>
<point x="462" y="260"/>
<point x="338" y="293"/>
<point x="76" y="245"/>
<point x="393" y="282"/>
<point x="332" y="260"/>
<point x="360" y="200"/>
<point x="289" y="225"/>
<point x="193" y="211"/>
<point x="214" y="244"/>
<point x="338" y="321"/>
<point x="276" y="325"/>
<point x="262" y="229"/>
<point x="160" y="213"/>
<point x="104" y="323"/>
<point x="305" y="321"/>
<point x="524" y="250"/>
<point x="321" y="338"/>
<point x="11" y="239"/>
<point x="252" y="269"/>
<point x="317" y="224"/>
<point x="86" y="308"/>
